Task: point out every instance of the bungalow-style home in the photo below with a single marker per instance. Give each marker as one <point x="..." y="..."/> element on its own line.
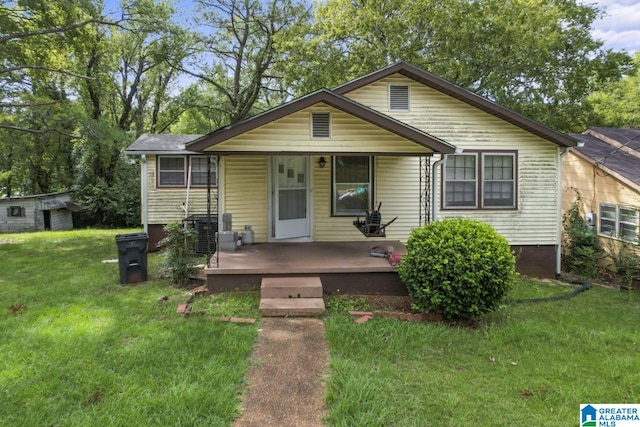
<point x="400" y="142"/>
<point x="37" y="213"/>
<point x="605" y="171"/>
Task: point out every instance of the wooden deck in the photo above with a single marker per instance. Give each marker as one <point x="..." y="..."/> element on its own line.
<point x="343" y="267"/>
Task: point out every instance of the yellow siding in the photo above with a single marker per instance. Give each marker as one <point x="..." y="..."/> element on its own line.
<point x="396" y="186"/>
<point x="594" y="185"/>
<point x="292" y="134"/>
<point x="245" y="193"/>
<point x="535" y="221"/>
<point x="166" y="204"/>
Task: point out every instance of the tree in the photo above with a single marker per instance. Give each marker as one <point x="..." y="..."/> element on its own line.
<point x="537" y="57"/>
<point x="616" y="104"/>
<point x="236" y="55"/>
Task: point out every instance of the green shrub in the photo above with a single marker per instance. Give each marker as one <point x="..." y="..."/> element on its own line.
<point x="179" y="257"/>
<point x="581" y="247"/>
<point x="458" y="267"/>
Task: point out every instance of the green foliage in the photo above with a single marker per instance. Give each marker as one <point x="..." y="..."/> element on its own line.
<point x="625" y="261"/>
<point x="616" y="105"/>
<point x="581" y="247"/>
<point x="179" y="257"/>
<point x="535" y="57"/>
<point x="459" y="267"/>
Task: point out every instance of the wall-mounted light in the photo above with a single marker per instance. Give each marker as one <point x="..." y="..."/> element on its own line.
<point x="322" y="162"/>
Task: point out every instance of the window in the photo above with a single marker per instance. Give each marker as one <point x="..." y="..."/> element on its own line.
<point x="16" y="211"/>
<point x="619" y="221"/>
<point x="399" y="97"/>
<point x="171" y="171"/>
<point x="480" y="181"/>
<point x="498" y="186"/>
<point x="199" y="171"/>
<point x="320" y="125"/>
<point x="352" y="185"/>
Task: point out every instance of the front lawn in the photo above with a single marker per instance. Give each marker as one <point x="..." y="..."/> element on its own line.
<point x="78" y="349"/>
<point x="529" y="364"/>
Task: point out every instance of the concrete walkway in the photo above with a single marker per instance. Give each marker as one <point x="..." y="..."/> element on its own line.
<point x="286" y="380"/>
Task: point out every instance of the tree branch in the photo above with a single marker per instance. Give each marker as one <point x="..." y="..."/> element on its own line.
<point x="41" y="67"/>
<point x="56" y="30"/>
<point x="39" y="131"/>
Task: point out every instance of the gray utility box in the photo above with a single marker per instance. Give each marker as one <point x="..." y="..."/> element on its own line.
<point x="132" y="257"/>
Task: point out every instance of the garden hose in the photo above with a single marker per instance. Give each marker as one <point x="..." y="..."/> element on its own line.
<point x="583" y="287"/>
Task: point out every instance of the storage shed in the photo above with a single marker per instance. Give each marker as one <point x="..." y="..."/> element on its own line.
<point x="39" y="212"/>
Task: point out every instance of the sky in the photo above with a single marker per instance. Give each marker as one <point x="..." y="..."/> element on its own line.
<point x="620" y="29"/>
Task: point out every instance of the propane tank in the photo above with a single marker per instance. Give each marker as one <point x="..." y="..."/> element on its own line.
<point x="247" y="235"/>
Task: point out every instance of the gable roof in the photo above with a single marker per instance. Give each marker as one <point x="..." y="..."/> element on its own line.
<point x="464" y="95"/>
<point x="149" y="143"/>
<point x="613" y="158"/>
<point x="330" y="98"/>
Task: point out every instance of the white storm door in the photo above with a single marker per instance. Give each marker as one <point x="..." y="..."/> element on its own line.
<point x="291" y="196"/>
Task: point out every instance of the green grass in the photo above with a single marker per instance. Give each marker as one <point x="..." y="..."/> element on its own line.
<point x="528" y="364"/>
<point x="79" y="349"/>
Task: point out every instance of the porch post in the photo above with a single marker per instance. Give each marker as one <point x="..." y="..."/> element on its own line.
<point x="425" y="190"/>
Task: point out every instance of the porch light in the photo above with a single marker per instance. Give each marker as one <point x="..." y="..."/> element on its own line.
<point x="322" y="162"/>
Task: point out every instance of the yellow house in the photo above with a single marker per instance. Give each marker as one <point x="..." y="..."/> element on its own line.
<point x="605" y="171"/>
<point x="401" y="139"/>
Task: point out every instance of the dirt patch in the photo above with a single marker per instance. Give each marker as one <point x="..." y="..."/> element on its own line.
<point x="2" y="241"/>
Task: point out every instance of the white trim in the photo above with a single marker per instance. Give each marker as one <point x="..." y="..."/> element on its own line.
<point x="144" y="183"/>
<point x="271" y="206"/>
<point x="159" y="172"/>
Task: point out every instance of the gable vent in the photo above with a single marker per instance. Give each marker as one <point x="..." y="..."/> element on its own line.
<point x="320" y="125"/>
<point x="399" y="97"/>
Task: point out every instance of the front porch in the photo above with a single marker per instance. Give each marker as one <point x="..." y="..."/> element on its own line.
<point x="343" y="267"/>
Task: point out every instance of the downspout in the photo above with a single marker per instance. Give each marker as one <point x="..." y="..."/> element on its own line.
<point x="145" y="194"/>
<point x="434" y="182"/>
<point x="559" y="238"/>
<point x="185" y="207"/>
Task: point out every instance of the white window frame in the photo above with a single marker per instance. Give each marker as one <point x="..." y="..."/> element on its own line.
<point x="619" y="211"/>
<point x="408" y="97"/>
<point x="160" y="172"/>
<point x="446" y="182"/>
<point x="214" y="171"/>
<point x="334" y="197"/>
<point x="480" y="181"/>
<point x="312" y="121"/>
<point x="513" y="180"/>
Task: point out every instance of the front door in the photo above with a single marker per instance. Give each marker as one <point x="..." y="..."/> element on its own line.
<point x="291" y="196"/>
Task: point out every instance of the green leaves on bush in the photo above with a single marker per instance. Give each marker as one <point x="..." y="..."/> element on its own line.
<point x="458" y="267"/>
<point x="179" y="257"/>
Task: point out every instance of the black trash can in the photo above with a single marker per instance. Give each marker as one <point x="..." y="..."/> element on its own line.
<point x="132" y="257"/>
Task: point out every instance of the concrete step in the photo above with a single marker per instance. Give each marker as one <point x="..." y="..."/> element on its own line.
<point x="291" y="287"/>
<point x="297" y="307"/>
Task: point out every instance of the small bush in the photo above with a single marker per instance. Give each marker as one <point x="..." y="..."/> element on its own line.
<point x="458" y="267"/>
<point x="179" y="257"/>
<point x="581" y="247"/>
